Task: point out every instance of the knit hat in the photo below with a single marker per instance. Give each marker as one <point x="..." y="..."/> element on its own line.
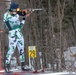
<point x="13" y="6"/>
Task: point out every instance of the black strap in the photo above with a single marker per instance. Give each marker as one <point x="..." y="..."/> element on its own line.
<point x="8" y="25"/>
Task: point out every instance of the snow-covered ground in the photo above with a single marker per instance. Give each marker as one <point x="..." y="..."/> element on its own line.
<point x="44" y="73"/>
<point x="60" y="73"/>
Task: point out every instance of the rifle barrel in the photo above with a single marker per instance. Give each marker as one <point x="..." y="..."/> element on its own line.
<point x="35" y="9"/>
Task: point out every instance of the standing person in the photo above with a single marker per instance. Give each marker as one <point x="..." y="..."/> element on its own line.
<point x="14" y="25"/>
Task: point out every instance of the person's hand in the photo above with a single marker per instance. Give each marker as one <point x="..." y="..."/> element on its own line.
<point x="27" y="15"/>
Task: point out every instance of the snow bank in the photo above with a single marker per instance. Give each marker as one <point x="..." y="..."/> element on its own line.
<point x="58" y="73"/>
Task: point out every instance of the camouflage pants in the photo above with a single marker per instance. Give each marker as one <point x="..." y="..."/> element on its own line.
<point x="15" y="39"/>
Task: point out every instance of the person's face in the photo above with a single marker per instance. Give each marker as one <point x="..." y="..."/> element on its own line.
<point x="13" y="12"/>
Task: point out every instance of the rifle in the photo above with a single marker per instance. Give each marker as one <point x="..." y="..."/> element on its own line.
<point x="29" y="10"/>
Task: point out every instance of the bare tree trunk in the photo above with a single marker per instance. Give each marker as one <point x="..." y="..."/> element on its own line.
<point x="51" y="35"/>
<point x="60" y="18"/>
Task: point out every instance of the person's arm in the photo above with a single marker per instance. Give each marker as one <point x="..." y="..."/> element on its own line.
<point x="5" y="19"/>
<point x="27" y="15"/>
<point x="24" y="18"/>
<point x="22" y="22"/>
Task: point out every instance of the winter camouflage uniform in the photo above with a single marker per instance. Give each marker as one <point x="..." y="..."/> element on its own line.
<point x="15" y="36"/>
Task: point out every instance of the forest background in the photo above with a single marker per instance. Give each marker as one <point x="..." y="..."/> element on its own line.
<point x="52" y="31"/>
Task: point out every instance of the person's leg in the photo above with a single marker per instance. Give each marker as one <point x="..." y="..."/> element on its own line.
<point x="20" y="45"/>
<point x="11" y="48"/>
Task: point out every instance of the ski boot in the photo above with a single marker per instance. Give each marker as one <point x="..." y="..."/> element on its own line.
<point x="23" y="67"/>
<point x="7" y="68"/>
